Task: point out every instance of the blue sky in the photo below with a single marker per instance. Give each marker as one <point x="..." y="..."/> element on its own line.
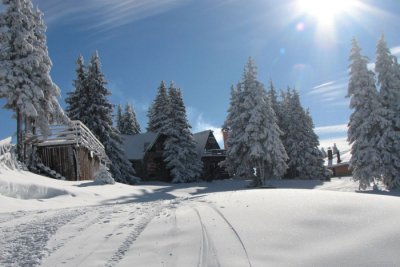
<point x="203" y="45"/>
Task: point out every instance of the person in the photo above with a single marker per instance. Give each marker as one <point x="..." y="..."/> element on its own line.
<point x="330" y="156"/>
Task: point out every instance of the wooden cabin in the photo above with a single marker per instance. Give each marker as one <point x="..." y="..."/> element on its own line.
<point x="145" y="151"/>
<point x="211" y="155"/>
<point x="341" y="169"/>
<point x="71" y="152"/>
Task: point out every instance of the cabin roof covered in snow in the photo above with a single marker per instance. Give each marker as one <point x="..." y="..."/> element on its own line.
<point x="136" y="145"/>
<point x="201" y="139"/>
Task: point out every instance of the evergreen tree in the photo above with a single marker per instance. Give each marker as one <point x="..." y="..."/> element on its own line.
<point x="254" y="136"/>
<point x="367" y="121"/>
<point x="283" y="115"/>
<point x="274" y="98"/>
<point x="97" y="116"/>
<point x="180" y="154"/>
<point x="235" y="126"/>
<point x="301" y="143"/>
<point x="51" y="109"/>
<point x="119" y="119"/>
<point x="324" y="154"/>
<point x="25" y="69"/>
<point x="77" y="100"/>
<point x="157" y="113"/>
<point x="388" y="80"/>
<point x="130" y="125"/>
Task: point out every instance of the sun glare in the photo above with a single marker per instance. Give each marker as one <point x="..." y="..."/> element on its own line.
<point x="326" y="11"/>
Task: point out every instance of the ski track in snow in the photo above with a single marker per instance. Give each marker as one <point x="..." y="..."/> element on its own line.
<point x="85" y="236"/>
<point x="102" y="235"/>
<point x="233" y="230"/>
<point x="213" y="250"/>
<point x="132" y="236"/>
<point x="207" y="256"/>
<point x="23" y="240"/>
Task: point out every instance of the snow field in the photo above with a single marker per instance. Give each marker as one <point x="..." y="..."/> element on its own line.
<point x="200" y="224"/>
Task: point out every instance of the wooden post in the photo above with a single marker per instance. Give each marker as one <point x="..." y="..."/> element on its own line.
<point x="78" y="169"/>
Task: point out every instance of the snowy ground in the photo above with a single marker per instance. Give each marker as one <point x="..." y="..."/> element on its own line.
<point x="300" y="223"/>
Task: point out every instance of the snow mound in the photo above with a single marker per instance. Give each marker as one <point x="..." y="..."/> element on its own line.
<point x="29" y="191"/>
<point x="103" y="176"/>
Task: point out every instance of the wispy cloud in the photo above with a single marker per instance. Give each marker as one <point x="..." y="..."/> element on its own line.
<point x="331" y="92"/>
<point x="371" y="66"/>
<point x="199" y="124"/>
<point x="395" y="50"/>
<point x="103" y="14"/>
<point x="328" y="87"/>
<point x="331" y="129"/>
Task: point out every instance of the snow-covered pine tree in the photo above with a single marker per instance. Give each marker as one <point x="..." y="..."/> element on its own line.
<point x="367" y="121"/>
<point x="52" y="111"/>
<point x="25" y="69"/>
<point x="157" y="113"/>
<point x="314" y="157"/>
<point x="119" y="119"/>
<point x="130" y="125"/>
<point x="283" y="114"/>
<point x="77" y="100"/>
<point x="180" y="154"/>
<point x="388" y="80"/>
<point x="301" y="142"/>
<point x="264" y="146"/>
<point x="324" y="154"/>
<point x="235" y="126"/>
<point x="98" y="118"/>
<point x="274" y="98"/>
<point x="254" y="136"/>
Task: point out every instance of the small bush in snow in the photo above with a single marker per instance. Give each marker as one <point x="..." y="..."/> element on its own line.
<point x="103" y="176"/>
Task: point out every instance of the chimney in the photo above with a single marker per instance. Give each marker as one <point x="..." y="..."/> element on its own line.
<point x="225" y="136"/>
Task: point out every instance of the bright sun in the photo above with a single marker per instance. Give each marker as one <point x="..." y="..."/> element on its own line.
<point x="326" y="10"/>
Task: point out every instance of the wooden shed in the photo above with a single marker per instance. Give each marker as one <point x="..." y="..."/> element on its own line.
<point x="71" y="152"/>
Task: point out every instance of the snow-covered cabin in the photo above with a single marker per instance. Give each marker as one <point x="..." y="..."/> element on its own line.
<point x="342" y="168"/>
<point x="70" y="152"/>
<point x="145" y="151"/>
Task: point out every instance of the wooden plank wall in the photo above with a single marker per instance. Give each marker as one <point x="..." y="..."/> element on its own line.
<point x="88" y="165"/>
<point x="62" y="160"/>
<point x="59" y="159"/>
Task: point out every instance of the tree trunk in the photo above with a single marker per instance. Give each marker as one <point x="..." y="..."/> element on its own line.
<point x="19" y="136"/>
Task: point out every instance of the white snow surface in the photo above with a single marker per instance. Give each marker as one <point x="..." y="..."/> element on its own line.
<point x="47" y="222"/>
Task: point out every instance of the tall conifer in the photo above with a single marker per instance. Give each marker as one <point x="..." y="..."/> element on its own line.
<point x="367" y="120"/>
<point x="388" y="80"/>
<point x="180" y="154"/>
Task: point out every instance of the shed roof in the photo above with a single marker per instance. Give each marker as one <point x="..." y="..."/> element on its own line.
<point x="136" y="145"/>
